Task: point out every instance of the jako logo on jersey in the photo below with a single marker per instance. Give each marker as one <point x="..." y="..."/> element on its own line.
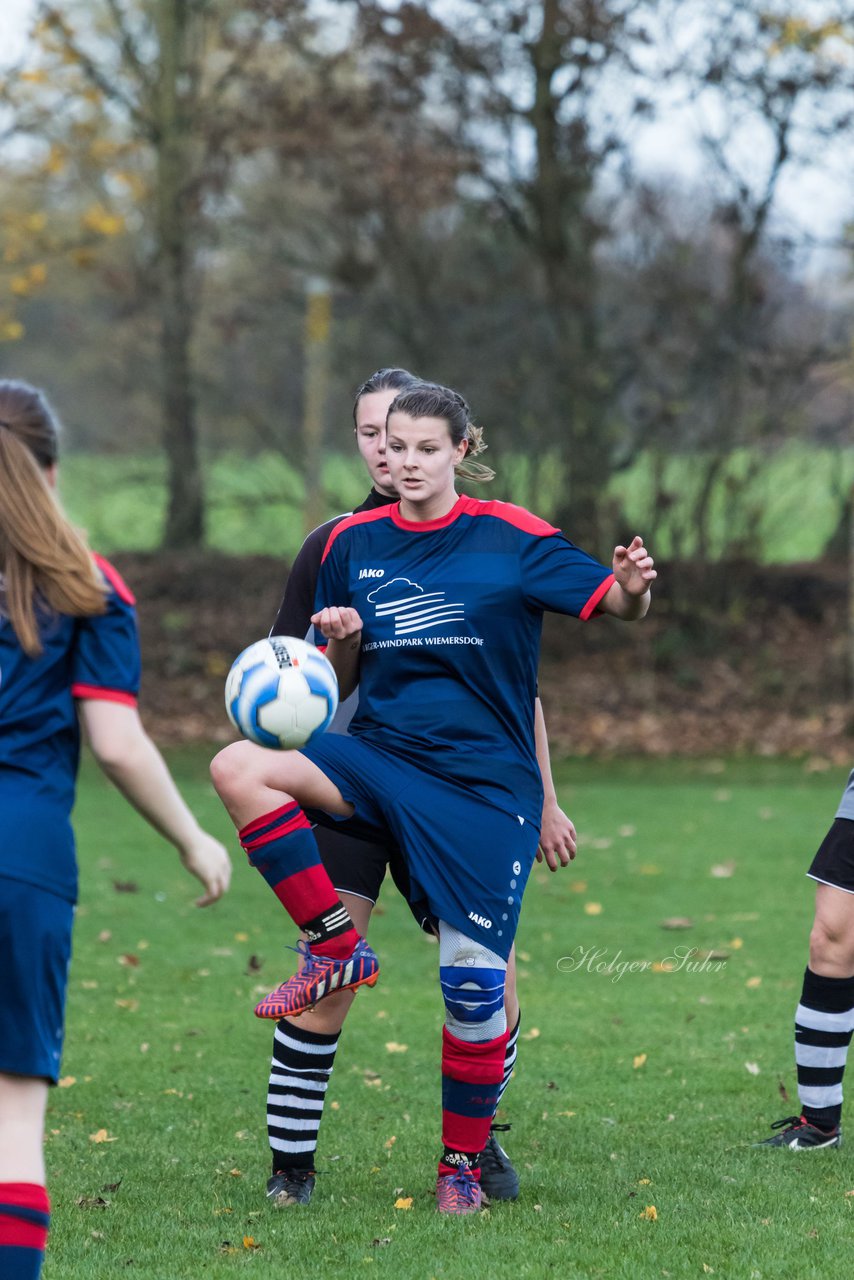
<point x="480" y="920"/>
<point x="371" y="573"/>
<point x="413" y="608"/>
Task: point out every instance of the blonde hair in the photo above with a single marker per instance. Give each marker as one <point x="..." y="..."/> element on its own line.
<point x="42" y="556"/>
<point x="468" y="469"/>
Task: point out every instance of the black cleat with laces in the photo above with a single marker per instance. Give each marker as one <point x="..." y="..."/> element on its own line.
<point x="290" y="1187"/>
<point x="498" y="1179"/>
<point x="798" y="1134"/>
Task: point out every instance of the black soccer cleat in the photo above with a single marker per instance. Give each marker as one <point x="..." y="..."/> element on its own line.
<point x="498" y="1179"/>
<point x="290" y="1187"/>
<point x="798" y="1134"/>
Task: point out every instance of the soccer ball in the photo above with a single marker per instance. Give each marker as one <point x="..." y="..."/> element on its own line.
<point x="281" y="692"/>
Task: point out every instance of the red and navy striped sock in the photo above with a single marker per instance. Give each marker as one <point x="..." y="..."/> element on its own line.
<point x="281" y="845"/>
<point x="471" y="1079"/>
<point x="24" y="1220"/>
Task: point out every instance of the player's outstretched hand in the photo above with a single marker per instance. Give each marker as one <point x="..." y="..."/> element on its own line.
<point x="633" y="567"/>
<point x="557" y="837"/>
<point x="337" y="624"/>
<point x="208" y="861"/>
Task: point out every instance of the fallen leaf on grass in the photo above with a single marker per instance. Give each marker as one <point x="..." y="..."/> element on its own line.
<point x="336" y="1106"/>
<point x="710" y="1271"/>
<point x="638" y="1060"/>
<point x="227" y="1247"/>
<point x="89" y="985"/>
<point x="565" y="1113"/>
<point x="644" y="1182"/>
<point x="677" y="922"/>
<point x="403" y="1202"/>
<point x="722" y="870"/>
<point x="105" y="935"/>
<point x="125" y="886"/>
<point x="783" y="1091"/>
<point x="249" y="1242"/>
<point x="593" y="908"/>
<point x="393" y="1047"/>
<point x="67" y="1081"/>
<point x="650" y="1213"/>
<point x="92" y="1202"/>
<point x="112" y="1186"/>
<point x="735" y="944"/>
<point x="235" y="1173"/>
<point x="649" y="869"/>
<point x="101" y="1136"/>
<point x="578" y="886"/>
<point x="254" y="965"/>
<point x="130" y="1004"/>
<point x="753" y="982"/>
<point x="241" y="937"/>
<point x="661" y="966"/>
<point x="752" y="1067"/>
<point x="533" y="1034"/>
<point x="379" y="1241"/>
<point x="129" y="961"/>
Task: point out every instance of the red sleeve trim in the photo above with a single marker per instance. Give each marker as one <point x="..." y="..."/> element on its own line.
<point x="601" y="590"/>
<point x="358" y="517"/>
<point x="103" y="695"/>
<point x="115" y="580"/>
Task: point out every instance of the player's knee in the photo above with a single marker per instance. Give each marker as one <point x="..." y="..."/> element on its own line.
<point x="472" y="979"/>
<point x="829" y="940"/>
<point x="230" y="770"/>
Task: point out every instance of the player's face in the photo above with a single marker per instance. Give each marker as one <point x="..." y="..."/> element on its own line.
<point x="421" y="460"/>
<point x="371" y="414"/>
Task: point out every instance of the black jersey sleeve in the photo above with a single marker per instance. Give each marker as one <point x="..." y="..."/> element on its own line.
<point x="294" y="616"/>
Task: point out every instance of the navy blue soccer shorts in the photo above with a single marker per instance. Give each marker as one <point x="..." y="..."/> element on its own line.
<point x="35" y="952"/>
<point x="467" y="859"/>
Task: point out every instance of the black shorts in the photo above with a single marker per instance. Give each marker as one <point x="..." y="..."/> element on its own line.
<point x="834" y="862"/>
<point x="359" y="867"/>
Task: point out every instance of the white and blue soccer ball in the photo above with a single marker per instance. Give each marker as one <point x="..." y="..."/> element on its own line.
<point x="281" y="692"/>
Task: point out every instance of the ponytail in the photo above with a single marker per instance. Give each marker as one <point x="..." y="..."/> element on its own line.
<point x="468" y="469"/>
<point x="42" y="556"/>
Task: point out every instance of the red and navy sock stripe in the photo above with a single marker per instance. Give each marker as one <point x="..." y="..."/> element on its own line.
<point x="471" y="1082"/>
<point x="282" y="847"/>
<point x="24" y="1222"/>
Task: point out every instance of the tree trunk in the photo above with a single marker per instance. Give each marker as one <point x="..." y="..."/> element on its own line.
<point x="185" y="508"/>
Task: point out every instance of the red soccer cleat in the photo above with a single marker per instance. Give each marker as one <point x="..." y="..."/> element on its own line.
<point x="320" y="976"/>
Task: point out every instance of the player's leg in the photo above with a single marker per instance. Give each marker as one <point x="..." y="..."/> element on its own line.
<point x="473" y="1044"/>
<point x="24" y="1206"/>
<point x="498" y="1178"/>
<point x="264" y="792"/>
<point x="35" y="948"/>
<point x="824" y="1019"/>
<point x="304" y="1049"/>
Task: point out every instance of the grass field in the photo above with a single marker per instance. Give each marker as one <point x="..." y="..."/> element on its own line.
<point x="633" y="1092"/>
<point x="783" y="508"/>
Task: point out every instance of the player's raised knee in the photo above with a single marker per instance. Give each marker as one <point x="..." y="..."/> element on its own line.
<point x="232" y="768"/>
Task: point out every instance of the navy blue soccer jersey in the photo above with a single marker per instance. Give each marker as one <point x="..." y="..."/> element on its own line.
<point x="95" y="657"/>
<point x="452" y="612"/>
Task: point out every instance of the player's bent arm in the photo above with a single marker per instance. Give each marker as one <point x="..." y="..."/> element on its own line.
<point x="557" y="832"/>
<point x="342" y="630"/>
<point x="133" y="764"/>
<point x="628" y="596"/>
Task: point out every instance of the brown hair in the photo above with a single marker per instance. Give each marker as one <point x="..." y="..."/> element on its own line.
<point x="430" y="400"/>
<point x="42" y="555"/>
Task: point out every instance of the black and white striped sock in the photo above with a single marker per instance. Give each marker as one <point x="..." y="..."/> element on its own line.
<point x="824" y="1021"/>
<point x="299" y="1076"/>
<point x="510" y="1057"/>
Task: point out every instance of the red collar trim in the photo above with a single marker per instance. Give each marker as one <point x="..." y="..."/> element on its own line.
<point x="424" y="526"/>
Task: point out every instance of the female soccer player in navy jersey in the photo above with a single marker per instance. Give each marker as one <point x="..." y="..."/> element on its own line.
<point x="435" y="605"/>
<point x="304" y="1050"/>
<point x="68" y="649"/>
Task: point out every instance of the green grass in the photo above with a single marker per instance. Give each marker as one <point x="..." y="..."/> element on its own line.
<point x="168" y="1059"/>
<point x="783" y="508"/>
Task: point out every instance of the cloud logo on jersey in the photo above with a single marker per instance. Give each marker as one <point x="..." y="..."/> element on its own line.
<point x="413" y="608"/>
